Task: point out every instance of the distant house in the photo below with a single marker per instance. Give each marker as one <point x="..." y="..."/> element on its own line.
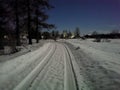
<point x="73" y="35"/>
<point x="65" y="35"/>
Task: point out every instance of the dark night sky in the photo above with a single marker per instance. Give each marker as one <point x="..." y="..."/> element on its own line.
<point x="88" y="15"/>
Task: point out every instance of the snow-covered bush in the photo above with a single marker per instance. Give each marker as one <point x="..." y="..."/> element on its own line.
<point x="97" y="40"/>
<point x="105" y="40"/>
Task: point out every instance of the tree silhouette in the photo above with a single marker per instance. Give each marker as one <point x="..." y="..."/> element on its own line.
<point x="69" y="34"/>
<point x="29" y="21"/>
<point x="77" y="32"/>
<point x="17" y="23"/>
<point x="38" y="16"/>
<point x="24" y="16"/>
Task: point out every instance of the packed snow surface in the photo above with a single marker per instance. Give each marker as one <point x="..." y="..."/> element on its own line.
<point x="46" y="68"/>
<point x="72" y="64"/>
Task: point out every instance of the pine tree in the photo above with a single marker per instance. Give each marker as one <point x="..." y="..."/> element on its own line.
<point x="24" y="15"/>
<point x="77" y="32"/>
<point x="40" y="16"/>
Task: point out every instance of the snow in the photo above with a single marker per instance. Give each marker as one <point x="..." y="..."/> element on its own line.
<point x="70" y="83"/>
<point x="52" y="76"/>
<point x="16" y="69"/>
<point x="107" y="53"/>
<point x="28" y="80"/>
<point x="109" y="47"/>
<point x="57" y="73"/>
<point x="74" y="65"/>
<point x="99" y="63"/>
<point x="24" y="49"/>
<point x="46" y="68"/>
<point x="77" y="74"/>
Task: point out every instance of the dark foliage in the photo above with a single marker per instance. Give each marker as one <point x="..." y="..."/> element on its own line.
<point x="17" y="16"/>
<point x="109" y="36"/>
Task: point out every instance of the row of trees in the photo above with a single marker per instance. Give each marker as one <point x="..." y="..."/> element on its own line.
<point x="24" y="16"/>
<point x="64" y="34"/>
<point x="113" y="34"/>
<point x="68" y="34"/>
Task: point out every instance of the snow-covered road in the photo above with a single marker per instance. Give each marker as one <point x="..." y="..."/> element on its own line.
<point x="64" y="65"/>
<point x="47" y="68"/>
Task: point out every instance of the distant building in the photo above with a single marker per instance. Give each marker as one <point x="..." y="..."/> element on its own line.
<point x="65" y="34"/>
<point x="73" y="35"/>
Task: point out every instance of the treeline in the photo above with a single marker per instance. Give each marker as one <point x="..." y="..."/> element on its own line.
<point x="65" y="34"/>
<point x="71" y="34"/>
<point x="19" y="17"/>
<point x="112" y="35"/>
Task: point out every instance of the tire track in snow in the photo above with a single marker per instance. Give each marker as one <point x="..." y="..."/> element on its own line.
<point x="14" y="71"/>
<point x="26" y="82"/>
<point x="55" y="72"/>
<point x="70" y="75"/>
<point x="96" y="77"/>
<point x="52" y="77"/>
<point x="58" y="74"/>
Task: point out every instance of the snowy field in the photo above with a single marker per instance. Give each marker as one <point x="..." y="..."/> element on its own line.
<point x="100" y="62"/>
<point x="107" y="53"/>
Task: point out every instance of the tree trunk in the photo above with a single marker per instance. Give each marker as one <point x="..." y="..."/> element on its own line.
<point x="17" y="24"/>
<point x="37" y="24"/>
<point x="29" y="22"/>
